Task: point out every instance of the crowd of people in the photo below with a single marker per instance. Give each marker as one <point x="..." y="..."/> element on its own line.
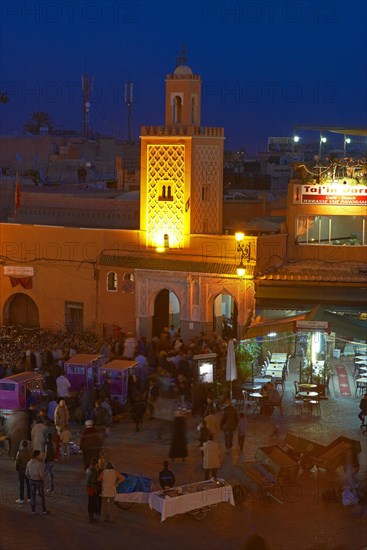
<point x="41" y="435"/>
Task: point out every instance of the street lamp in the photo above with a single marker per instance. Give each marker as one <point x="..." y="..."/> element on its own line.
<point x="296" y="139"/>
<point x="245" y="251"/>
<point x="322" y="140"/>
<point x="347" y="140"/>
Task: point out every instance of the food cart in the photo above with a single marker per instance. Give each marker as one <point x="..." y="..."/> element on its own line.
<point x="196" y="499"/>
<point x="118" y="372"/>
<point x="18" y="391"/>
<point x="81" y="370"/>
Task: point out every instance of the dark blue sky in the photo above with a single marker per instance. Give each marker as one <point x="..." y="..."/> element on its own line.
<point x="266" y="66"/>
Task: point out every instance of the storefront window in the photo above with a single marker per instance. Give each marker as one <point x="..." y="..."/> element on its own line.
<point x="335" y="230"/>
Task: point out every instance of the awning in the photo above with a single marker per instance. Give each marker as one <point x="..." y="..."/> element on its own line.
<point x="342" y="325"/>
<point x="300" y="297"/>
<point x="275" y="326"/>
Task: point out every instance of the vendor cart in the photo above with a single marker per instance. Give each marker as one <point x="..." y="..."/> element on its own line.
<point x="255" y="482"/>
<point x="303" y="450"/>
<point x="135" y="489"/>
<point x="278" y="462"/>
<point x="335" y="454"/>
<point x="196" y="499"/>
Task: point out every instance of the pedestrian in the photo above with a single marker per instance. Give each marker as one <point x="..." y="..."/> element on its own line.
<point x="21" y="460"/>
<point x="204" y="433"/>
<point x="100" y="417"/>
<point x="229" y="424"/>
<point x="167" y="478"/>
<point x="241" y="432"/>
<point x="100" y="467"/>
<point x="65" y="437"/>
<point x="49" y="461"/>
<point x="35" y="472"/>
<point x="90" y="443"/>
<point x="363" y="406"/>
<point x="211" y="458"/>
<point x="92" y="489"/>
<point x="178" y="447"/>
<point x="63" y="386"/>
<point x="109" y="478"/>
<point x="38" y="434"/>
<point x="211" y="421"/>
<point x="138" y="411"/>
<point x="61" y="420"/>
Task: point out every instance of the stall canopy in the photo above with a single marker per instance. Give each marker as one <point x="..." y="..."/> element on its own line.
<point x="340" y="324"/>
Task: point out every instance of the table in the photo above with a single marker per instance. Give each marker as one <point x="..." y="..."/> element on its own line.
<point x="361" y="362"/>
<point x="250" y="389"/>
<point x="274" y="372"/>
<point x="279" y="357"/>
<point x="361" y="380"/>
<point x="307" y="386"/>
<point x="308" y="393"/>
<point x="193" y="497"/>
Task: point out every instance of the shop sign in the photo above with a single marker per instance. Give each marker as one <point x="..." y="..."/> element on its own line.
<point x="334" y="194"/>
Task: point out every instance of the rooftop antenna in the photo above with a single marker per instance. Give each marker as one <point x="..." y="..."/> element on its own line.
<point x="129" y="95"/>
<point x="87" y="86"/>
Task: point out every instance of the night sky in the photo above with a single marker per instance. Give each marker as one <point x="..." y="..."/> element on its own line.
<point x="266" y="66"/>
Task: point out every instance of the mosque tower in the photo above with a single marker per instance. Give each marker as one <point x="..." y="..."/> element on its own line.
<point x="181" y="187"/>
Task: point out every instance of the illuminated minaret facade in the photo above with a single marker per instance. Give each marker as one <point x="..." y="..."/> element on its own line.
<point x="181" y="188"/>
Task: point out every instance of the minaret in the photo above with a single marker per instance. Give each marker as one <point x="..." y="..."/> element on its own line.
<point x="181" y="189"/>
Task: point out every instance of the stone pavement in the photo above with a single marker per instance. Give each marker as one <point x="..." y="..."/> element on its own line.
<point x="302" y="522"/>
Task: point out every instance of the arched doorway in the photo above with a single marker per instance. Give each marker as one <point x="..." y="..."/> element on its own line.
<point x="21" y="310"/>
<point x="225" y="315"/>
<point x="166" y="311"/>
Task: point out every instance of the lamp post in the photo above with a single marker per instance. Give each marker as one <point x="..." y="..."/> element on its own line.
<point x="347" y="140"/>
<point x="245" y="254"/>
<point x="295" y="140"/>
<point x="322" y="140"/>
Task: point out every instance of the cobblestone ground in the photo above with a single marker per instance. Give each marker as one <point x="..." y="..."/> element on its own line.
<point x="303" y="520"/>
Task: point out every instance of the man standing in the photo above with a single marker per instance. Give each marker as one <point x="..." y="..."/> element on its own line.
<point x="36" y="474"/>
<point x="61" y="419"/>
<point x="167" y="477"/>
<point x="90" y="443"/>
<point x="21" y="460"/>
<point x="229" y="424"/>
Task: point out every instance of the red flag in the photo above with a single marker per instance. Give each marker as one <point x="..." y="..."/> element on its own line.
<point x="17" y="193"/>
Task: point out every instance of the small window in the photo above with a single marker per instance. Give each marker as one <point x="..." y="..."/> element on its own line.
<point x="112" y="281"/>
<point x="166" y="192"/>
<point x="205" y="193"/>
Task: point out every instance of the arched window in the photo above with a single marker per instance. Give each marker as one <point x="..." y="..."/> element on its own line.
<point x="112" y="281"/>
<point x="177" y="110"/>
